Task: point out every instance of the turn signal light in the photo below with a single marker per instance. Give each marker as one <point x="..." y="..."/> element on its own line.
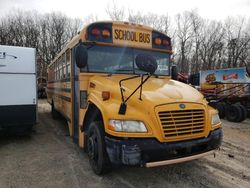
<point x="165" y="42"/>
<point x="105" y="95"/>
<point x="157" y="41"/>
<point x="95" y="32"/>
<point x="106" y="33"/>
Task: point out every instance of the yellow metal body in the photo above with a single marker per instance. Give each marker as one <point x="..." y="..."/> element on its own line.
<point x="161" y="96"/>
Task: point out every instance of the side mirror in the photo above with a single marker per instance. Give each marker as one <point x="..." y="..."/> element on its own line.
<point x="146" y="63"/>
<point x="174" y="72"/>
<point x="81" y="56"/>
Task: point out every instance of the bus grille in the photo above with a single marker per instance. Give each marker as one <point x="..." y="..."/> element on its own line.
<point x="182" y="122"/>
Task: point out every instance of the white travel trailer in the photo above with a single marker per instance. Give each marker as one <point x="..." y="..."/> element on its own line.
<point x="18" y="97"/>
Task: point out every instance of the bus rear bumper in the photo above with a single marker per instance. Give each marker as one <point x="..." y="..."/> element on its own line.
<point x="150" y="152"/>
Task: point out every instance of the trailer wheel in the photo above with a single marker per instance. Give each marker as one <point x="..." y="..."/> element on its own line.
<point x="221" y="107"/>
<point x="233" y="113"/>
<point x="243" y="111"/>
<point x="96" y="149"/>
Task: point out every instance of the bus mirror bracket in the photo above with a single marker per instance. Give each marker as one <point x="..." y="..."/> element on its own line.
<point x="123" y="108"/>
<point x="81" y="55"/>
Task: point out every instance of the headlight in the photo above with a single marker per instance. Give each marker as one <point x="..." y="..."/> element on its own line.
<point x="215" y="119"/>
<point x="127" y="126"/>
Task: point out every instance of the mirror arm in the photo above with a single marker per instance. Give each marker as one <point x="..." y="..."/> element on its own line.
<point x="141" y="87"/>
<point x="123" y="105"/>
<point x="149" y="75"/>
<point x="120" y="84"/>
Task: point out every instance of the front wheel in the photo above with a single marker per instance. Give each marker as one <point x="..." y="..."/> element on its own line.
<point x="96" y="149"/>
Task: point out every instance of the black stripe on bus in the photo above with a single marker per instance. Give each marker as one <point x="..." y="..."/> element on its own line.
<point x="65" y="98"/>
<point x="68" y="90"/>
<point x="68" y="99"/>
<point x="61" y="80"/>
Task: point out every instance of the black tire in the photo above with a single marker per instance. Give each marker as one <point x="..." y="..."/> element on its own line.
<point x="221" y="107"/>
<point x="212" y="104"/>
<point x="243" y="111"/>
<point x="248" y="113"/>
<point x="233" y="113"/>
<point x="39" y="94"/>
<point x="96" y="149"/>
<point x="54" y="113"/>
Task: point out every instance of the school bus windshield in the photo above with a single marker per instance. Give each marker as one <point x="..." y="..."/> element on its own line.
<point x="117" y="60"/>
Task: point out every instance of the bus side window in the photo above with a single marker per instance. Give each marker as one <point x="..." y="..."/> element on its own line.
<point x="56" y="75"/>
<point x="68" y="71"/>
<point x="60" y="67"/>
<point x="64" y="65"/>
<point x="57" y="70"/>
<point x="54" y="71"/>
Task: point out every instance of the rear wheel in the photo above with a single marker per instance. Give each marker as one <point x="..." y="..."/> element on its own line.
<point x="243" y="111"/>
<point x="221" y="107"/>
<point x="96" y="149"/>
<point x="233" y="113"/>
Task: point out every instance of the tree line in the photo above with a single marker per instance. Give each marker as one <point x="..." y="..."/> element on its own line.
<point x="48" y="33"/>
<point x="198" y="43"/>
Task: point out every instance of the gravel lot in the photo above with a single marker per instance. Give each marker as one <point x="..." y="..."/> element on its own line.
<point x="49" y="158"/>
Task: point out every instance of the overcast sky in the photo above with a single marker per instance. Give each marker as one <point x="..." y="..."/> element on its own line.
<point x="211" y="9"/>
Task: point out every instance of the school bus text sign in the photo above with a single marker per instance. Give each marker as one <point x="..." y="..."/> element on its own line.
<point x="131" y="37"/>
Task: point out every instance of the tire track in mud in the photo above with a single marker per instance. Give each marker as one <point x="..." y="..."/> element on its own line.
<point x="231" y="165"/>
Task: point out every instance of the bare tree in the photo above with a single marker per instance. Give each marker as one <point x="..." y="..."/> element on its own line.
<point x="198" y="43"/>
<point x="48" y="33"/>
<point x="197" y="25"/>
<point x="211" y="44"/>
<point x="238" y="42"/>
<point x="114" y="12"/>
<point x="184" y="40"/>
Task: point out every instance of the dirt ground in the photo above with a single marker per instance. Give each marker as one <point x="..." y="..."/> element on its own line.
<point x="49" y="158"/>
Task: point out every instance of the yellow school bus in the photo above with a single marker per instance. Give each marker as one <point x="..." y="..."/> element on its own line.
<point x="112" y="82"/>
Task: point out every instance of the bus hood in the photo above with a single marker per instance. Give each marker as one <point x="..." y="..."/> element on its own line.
<point x="155" y="91"/>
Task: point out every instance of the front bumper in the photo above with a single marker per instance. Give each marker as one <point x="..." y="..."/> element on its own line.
<point x="140" y="151"/>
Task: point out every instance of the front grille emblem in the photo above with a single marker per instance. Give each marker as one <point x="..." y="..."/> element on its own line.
<point x="182" y="106"/>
